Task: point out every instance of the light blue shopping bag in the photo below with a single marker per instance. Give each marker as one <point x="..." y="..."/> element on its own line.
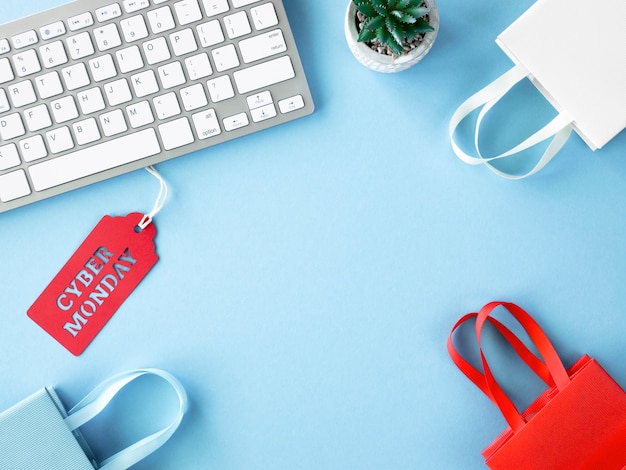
<point x="38" y="433"/>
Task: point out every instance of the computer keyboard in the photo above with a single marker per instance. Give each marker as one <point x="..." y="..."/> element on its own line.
<point x="96" y="88"/>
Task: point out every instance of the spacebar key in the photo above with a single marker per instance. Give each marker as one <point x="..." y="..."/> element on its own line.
<point x="94" y="159"/>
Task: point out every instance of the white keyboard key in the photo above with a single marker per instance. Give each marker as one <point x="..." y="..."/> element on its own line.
<point x="90" y="101"/>
<point x="187" y="12"/>
<point x="59" y="140"/>
<point x="183" y="42"/>
<point x="94" y="159"/>
<point x="9" y="157"/>
<point x="129" y="59"/>
<point x="53" y="54"/>
<point x="22" y="93"/>
<point x="225" y="57"/>
<point x="259" y="100"/>
<point x="243" y="3"/>
<point x="144" y="83"/>
<point x="176" y="133"/>
<point x="113" y="123"/>
<point x="158" y="2"/>
<point x="198" y="66"/>
<point x="134" y="28"/>
<point x="237" y="25"/>
<point x="206" y="124"/>
<point x="80" y="46"/>
<point x="108" y="12"/>
<point x="139" y="114"/>
<point x="25" y="39"/>
<point x="171" y="75"/>
<point x="193" y="97"/>
<point x="132" y="6"/>
<point x="264" y="16"/>
<point x="262" y="46"/>
<point x="13" y="186"/>
<point x="118" y="92"/>
<point x="220" y="89"/>
<point x="264" y="75"/>
<point x="102" y="68"/>
<point x="4" y="102"/>
<point x="156" y="50"/>
<point x="4" y="46"/>
<point x="290" y="104"/>
<point x="166" y="105"/>
<point x="215" y="7"/>
<point x="80" y="21"/>
<point x="86" y="131"/>
<point x="49" y="85"/>
<point x="26" y="63"/>
<point x="236" y="122"/>
<point x="6" y="72"/>
<point x="161" y="20"/>
<point x="52" y="30"/>
<point x="264" y="112"/>
<point x="210" y="33"/>
<point x="37" y="118"/>
<point x="75" y="76"/>
<point x="107" y="37"/>
<point x="64" y="109"/>
<point x="33" y="148"/>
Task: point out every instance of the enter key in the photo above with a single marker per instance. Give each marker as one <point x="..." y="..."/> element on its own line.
<point x="262" y="46"/>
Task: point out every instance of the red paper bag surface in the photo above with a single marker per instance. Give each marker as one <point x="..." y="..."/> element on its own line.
<point x="581" y="427"/>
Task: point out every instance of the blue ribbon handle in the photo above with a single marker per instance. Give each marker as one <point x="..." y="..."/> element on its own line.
<point x="100" y="397"/>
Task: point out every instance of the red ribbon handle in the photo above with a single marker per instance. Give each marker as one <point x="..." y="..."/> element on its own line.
<point x="520" y="348"/>
<point x="550" y="370"/>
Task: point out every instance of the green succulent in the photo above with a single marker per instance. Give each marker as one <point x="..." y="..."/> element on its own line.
<point x="392" y="21"/>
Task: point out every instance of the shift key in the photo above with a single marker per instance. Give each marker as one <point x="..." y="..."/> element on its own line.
<point x="264" y="75"/>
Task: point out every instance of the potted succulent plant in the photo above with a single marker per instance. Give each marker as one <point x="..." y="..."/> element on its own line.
<point x="391" y="35"/>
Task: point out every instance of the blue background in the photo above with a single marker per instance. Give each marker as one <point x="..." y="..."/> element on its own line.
<point x="309" y="275"/>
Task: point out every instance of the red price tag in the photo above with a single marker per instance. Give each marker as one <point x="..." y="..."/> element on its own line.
<point x="94" y="283"/>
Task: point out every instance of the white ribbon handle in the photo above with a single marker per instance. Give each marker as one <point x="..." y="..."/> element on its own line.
<point x="559" y="128"/>
<point x="100" y="397"/>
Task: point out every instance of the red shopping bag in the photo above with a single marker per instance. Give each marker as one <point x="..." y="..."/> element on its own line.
<point x="579" y="422"/>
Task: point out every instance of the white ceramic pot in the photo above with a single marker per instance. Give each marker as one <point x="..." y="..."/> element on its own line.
<point x="385" y="63"/>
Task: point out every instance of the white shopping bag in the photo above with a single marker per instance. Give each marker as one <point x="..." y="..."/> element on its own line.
<point x="574" y="52"/>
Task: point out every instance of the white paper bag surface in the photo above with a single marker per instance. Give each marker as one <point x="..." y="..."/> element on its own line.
<point x="575" y="52"/>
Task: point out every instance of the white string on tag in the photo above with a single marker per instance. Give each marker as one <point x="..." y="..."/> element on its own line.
<point x="160" y="201"/>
